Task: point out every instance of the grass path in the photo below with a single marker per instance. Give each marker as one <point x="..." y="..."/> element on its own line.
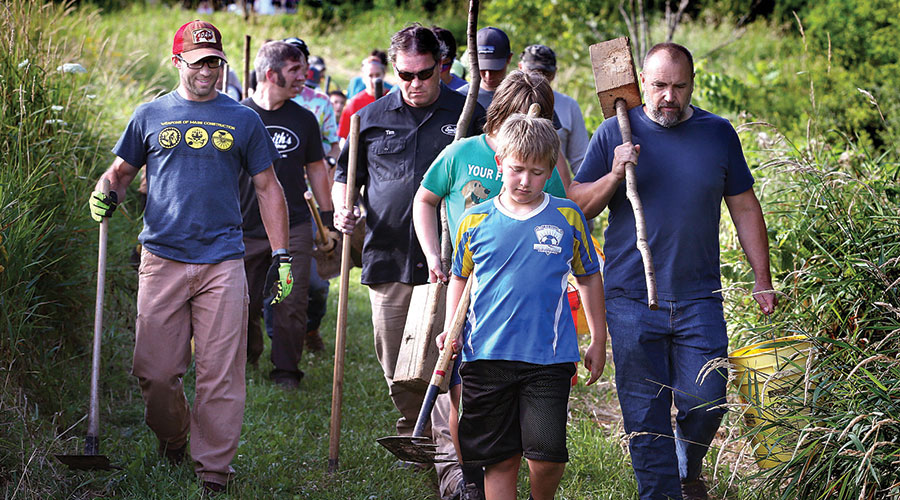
<point x="284" y="442"/>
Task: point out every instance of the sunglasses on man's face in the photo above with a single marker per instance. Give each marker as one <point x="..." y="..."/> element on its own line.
<point x="212" y="62"/>
<point x="408" y="76"/>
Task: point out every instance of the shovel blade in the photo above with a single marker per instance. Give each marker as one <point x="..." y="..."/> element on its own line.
<point x="417" y="449"/>
<point x="87" y="462"/>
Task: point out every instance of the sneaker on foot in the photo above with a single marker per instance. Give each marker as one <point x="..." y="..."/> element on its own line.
<point x="314" y="341"/>
<point x="694" y="490"/>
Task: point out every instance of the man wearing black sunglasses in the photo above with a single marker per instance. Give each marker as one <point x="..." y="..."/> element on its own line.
<point x="400" y="136"/>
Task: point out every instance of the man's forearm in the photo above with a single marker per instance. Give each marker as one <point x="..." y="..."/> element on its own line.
<point x="317" y="173"/>
<point x="593" y="197"/>
<point x="272" y="209"/>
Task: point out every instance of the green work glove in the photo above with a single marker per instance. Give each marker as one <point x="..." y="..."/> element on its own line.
<point x="279" y="279"/>
<point x="102" y="205"/>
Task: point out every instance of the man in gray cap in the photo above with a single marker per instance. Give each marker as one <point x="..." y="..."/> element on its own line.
<point x="493" y="59"/>
<point x="572" y="133"/>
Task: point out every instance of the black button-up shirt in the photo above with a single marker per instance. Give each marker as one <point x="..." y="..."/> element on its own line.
<point x="395" y="150"/>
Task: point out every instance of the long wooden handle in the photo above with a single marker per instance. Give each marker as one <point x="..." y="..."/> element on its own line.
<point x="92" y="442"/>
<point x="246" y="89"/>
<point x="337" y="386"/>
<point x="640" y="224"/>
<point x="324" y="243"/>
<point x="444" y="361"/>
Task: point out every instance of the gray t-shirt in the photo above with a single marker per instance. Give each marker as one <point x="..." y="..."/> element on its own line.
<point x="573" y="136"/>
<point x="194" y="152"/>
<point x="484" y="96"/>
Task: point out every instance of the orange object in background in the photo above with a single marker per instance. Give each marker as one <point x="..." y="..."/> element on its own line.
<point x="576" y="306"/>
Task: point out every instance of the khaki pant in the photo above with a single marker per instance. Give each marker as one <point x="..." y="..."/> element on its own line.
<point x="177" y="301"/>
<point x="289" y="317"/>
<point x="390" y="305"/>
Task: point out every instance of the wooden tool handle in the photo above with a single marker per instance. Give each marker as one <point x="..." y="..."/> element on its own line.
<point x="337" y="387"/>
<point x="322" y="240"/>
<point x="246" y="89"/>
<point x="640" y="224"/>
<point x="444" y="362"/>
<point x="534" y="110"/>
<point x="91" y="445"/>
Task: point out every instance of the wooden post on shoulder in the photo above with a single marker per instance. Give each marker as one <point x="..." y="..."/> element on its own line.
<point x="617" y="90"/>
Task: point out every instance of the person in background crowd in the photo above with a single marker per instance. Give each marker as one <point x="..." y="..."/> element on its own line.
<point x="358" y="83"/>
<point x="400" y="135"/>
<point x="280" y="72"/>
<point x="572" y="133"/>
<point x="316" y="72"/>
<point x="338" y="101"/>
<point x="373" y="71"/>
<point x="320" y="105"/>
<point x="448" y="78"/>
<point x="195" y="142"/>
<point x="493" y="61"/>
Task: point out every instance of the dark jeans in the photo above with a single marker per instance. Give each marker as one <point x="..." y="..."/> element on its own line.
<point x="288" y="317"/>
<point x="658" y="355"/>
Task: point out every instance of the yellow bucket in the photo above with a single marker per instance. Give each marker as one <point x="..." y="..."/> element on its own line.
<point x="768" y="374"/>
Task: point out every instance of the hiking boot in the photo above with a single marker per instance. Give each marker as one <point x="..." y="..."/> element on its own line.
<point x="174" y="455"/>
<point x="212" y="488"/>
<point x="314" y="341"/>
<point x="286" y="380"/>
<point x="694" y="490"/>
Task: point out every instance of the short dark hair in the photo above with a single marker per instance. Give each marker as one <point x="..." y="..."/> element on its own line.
<point x="337" y="92"/>
<point x="445" y="36"/>
<point x="674" y="50"/>
<point x="381" y="55"/>
<point x="417" y="39"/>
<point x="275" y="56"/>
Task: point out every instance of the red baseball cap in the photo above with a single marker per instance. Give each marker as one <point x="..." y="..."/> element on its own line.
<point x="196" y="40"/>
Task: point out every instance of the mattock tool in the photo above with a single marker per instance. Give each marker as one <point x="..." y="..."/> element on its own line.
<point x="418" y="447"/>
<point x="327" y="245"/>
<point x="617" y="90"/>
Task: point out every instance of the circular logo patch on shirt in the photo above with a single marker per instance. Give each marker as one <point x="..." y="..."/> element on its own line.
<point x="223" y="140"/>
<point x="196" y="137"/>
<point x="449" y="129"/>
<point x="169" y="137"/>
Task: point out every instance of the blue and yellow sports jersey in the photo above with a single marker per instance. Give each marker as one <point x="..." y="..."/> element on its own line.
<point x="520" y="264"/>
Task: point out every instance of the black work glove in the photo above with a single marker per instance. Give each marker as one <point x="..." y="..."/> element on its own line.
<point x="328" y="219"/>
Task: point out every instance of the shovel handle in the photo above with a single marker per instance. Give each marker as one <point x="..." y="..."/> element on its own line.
<point x="444" y="362"/>
<point x="337" y="386"/>
<point x="640" y="224"/>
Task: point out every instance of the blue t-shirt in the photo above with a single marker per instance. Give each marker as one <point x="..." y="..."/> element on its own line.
<point x="520" y="264"/>
<point x="194" y="152"/>
<point x="683" y="172"/>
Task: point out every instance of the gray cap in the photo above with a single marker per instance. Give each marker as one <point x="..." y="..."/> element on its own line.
<point x="539" y="57"/>
<point x="493" y="49"/>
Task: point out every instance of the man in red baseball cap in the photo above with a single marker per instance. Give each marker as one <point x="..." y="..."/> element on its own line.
<point x="195" y="143"/>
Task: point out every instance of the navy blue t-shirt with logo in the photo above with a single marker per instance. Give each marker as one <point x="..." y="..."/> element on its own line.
<point x="194" y="152"/>
<point x="295" y="132"/>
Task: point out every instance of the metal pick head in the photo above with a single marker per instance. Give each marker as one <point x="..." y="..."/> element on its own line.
<point x="417" y="449"/>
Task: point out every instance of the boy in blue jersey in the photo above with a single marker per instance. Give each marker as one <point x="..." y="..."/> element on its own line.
<point x="520" y="344"/>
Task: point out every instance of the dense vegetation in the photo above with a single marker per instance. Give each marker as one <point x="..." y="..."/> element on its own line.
<point x="815" y="99"/>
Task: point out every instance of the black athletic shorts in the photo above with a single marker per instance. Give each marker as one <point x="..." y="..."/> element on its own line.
<point x="511" y="407"/>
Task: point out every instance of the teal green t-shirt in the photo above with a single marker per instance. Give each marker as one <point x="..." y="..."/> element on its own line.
<point x="466" y="174"/>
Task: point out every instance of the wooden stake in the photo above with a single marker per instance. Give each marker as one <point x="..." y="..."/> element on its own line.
<point x="246" y="90"/>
